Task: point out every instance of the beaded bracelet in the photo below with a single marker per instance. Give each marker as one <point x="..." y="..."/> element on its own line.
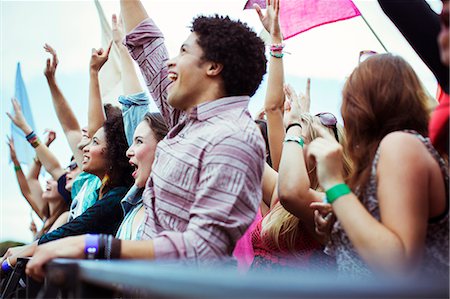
<point x="17" y="168"/>
<point x="33" y="139"/>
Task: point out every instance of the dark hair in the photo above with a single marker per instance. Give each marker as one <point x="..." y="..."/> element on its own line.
<point x="234" y="45"/>
<point x="120" y="170"/>
<point x="262" y="125"/>
<point x="157" y="124"/>
<point x="382" y="95"/>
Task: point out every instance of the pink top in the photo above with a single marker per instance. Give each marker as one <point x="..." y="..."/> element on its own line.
<point x="243" y="252"/>
<point x="205" y="186"/>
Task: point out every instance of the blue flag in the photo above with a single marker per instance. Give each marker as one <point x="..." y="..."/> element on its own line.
<point x="25" y="152"/>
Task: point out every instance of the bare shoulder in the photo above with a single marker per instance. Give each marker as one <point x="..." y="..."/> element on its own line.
<point x="402" y="147"/>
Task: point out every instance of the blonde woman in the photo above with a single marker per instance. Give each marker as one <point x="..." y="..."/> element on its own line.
<point x="281" y="238"/>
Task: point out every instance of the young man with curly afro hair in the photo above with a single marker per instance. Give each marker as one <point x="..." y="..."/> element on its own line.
<point x="205" y="185"/>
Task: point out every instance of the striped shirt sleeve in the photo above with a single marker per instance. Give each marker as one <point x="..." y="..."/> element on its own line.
<point x="146" y="45"/>
<point x="226" y="201"/>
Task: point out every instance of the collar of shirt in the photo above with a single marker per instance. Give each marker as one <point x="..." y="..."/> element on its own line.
<point x="131" y="199"/>
<point x="207" y="110"/>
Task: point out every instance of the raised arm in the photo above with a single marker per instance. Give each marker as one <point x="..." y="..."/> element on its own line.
<point x="130" y="80"/>
<point x="34" y="200"/>
<point x="133" y="13"/>
<point x="273" y="104"/>
<point x="152" y="61"/>
<point x="47" y="158"/>
<point x="66" y="117"/>
<point x="96" y="113"/>
<point x="294" y="186"/>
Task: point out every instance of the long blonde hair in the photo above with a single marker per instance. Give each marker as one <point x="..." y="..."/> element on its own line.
<point x="279" y="222"/>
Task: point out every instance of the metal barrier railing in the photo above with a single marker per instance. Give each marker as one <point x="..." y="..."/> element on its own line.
<point x="138" y="279"/>
<point x="88" y="279"/>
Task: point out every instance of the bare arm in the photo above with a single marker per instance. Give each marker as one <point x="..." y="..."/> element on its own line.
<point x="66" y="117"/>
<point x="35" y="170"/>
<point x="130" y="80"/>
<point x="153" y="60"/>
<point x="133" y="12"/>
<point x="47" y="158"/>
<point x="273" y="104"/>
<point x="35" y="201"/>
<point x="294" y="186"/>
<point x="73" y="247"/>
<point x="395" y="244"/>
<point x="96" y="113"/>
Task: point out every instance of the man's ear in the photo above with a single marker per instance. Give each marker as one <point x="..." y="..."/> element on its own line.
<point x="214" y="69"/>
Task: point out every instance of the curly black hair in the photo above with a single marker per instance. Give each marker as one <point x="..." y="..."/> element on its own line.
<point x="120" y="170"/>
<point x="234" y="45"/>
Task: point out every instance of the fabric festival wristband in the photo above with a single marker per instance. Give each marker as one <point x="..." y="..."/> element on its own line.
<point x="91" y="246"/>
<point x="337" y="191"/>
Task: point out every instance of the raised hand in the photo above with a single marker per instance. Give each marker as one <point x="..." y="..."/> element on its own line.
<point x="292" y="113"/>
<point x="327" y="153"/>
<point x="12" y="149"/>
<point x="18" y="119"/>
<point x="50" y="137"/>
<point x="52" y="64"/>
<point x="304" y="100"/>
<point x="117" y="31"/>
<point x="290" y="93"/>
<point x="270" y="21"/>
<point x="99" y="57"/>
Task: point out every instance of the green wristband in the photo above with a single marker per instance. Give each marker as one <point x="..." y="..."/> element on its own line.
<point x="337" y="191"/>
<point x="17" y="167"/>
<point x="296" y="139"/>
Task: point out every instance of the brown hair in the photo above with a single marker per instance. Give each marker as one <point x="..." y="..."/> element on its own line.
<point x="382" y="95"/>
<point x="157" y="124"/>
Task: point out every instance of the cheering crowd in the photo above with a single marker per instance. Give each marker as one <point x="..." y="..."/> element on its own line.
<point x="202" y="181"/>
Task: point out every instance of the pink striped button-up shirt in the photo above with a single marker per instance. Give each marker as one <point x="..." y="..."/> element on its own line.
<point x="205" y="185"/>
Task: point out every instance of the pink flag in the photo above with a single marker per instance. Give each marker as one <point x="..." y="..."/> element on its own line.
<point x="297" y="16"/>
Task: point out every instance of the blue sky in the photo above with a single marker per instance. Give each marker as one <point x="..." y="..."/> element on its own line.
<point x="327" y="54"/>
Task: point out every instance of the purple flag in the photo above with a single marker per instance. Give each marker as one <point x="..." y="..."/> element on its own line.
<point x="297" y="16"/>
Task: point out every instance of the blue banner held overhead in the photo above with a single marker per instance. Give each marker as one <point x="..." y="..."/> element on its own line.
<point x="25" y="152"/>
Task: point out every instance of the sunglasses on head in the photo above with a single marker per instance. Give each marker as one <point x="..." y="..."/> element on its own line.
<point x="328" y="120"/>
<point x="73" y="165"/>
<point x="363" y="55"/>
